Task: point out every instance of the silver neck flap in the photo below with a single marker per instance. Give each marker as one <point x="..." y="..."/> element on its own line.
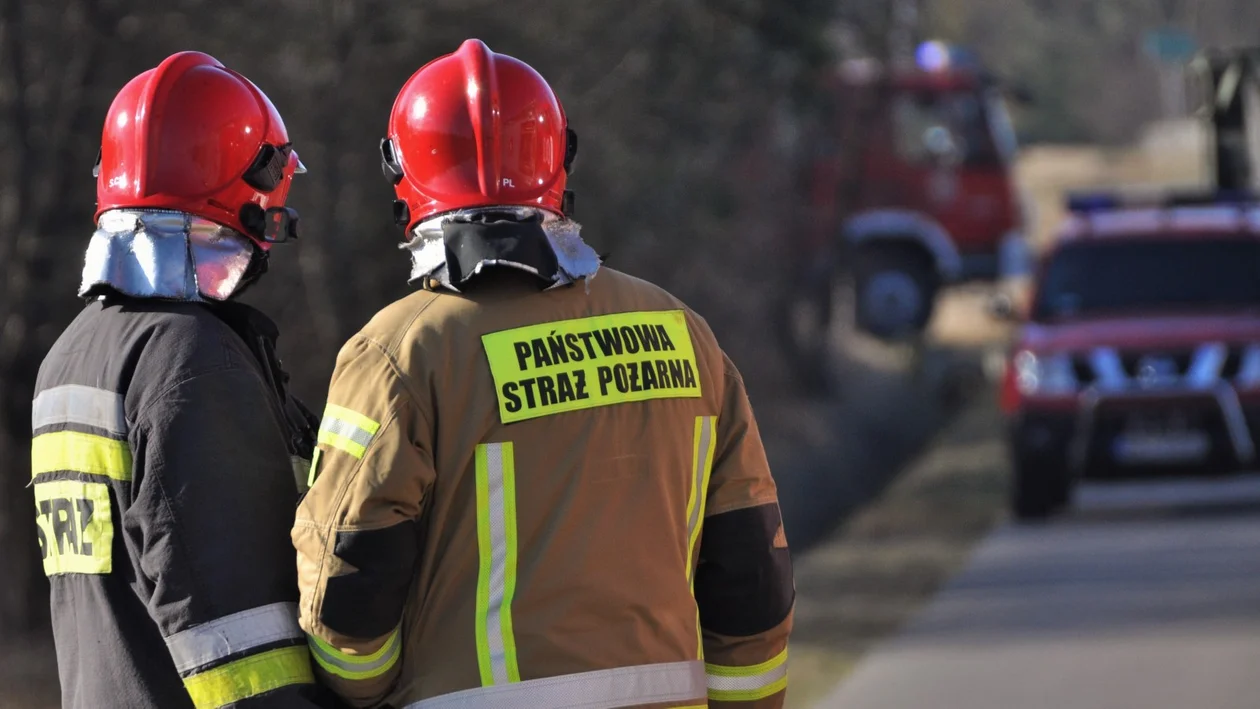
<point x="167" y="255"/>
<point x="575" y="258"/>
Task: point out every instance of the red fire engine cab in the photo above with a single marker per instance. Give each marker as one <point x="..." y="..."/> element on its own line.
<point x="914" y="183"/>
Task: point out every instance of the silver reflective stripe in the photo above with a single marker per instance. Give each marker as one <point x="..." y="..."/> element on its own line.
<point x="751" y="682"/>
<point x="700" y="469"/>
<point x="345" y="429"/>
<point x="209" y="642"/>
<point x="601" y="689"/>
<point x="75" y="403"/>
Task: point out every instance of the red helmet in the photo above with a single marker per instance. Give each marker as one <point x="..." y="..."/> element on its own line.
<point x="195" y="136"/>
<point x="477" y="129"/>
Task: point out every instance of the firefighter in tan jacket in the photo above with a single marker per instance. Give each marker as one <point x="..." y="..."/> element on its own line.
<point x="534" y="487"/>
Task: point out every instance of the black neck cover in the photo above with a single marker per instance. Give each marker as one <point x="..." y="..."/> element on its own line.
<point x="497" y="238"/>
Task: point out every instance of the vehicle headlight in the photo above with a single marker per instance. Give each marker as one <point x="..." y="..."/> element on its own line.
<point x="1044" y="374"/>
<point x="1249" y="367"/>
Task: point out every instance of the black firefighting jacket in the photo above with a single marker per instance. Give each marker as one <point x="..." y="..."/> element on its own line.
<point x="164" y="466"/>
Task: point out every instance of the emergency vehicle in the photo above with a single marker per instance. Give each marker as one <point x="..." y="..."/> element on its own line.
<point x="1141" y="353"/>
<point x="911" y="188"/>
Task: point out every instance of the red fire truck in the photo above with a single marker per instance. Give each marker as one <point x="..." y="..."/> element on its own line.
<point x="911" y="189"/>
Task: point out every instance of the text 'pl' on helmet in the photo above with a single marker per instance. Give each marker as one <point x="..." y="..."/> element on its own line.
<point x="193" y="136"/>
<point x="477" y="129"/>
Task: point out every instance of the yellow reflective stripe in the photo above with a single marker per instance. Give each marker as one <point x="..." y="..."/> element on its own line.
<point x="353" y="417"/>
<point x="749" y="695"/>
<point x="357" y="667"/>
<point x="341" y="443"/>
<point x="313" y="471"/>
<point x="80" y="452"/>
<point x="747" y="683"/>
<point x="746" y="671"/>
<point x="483" y="568"/>
<point x="249" y="677"/>
<point x="509" y="581"/>
<point x="703" y="445"/>
<point x="496" y="572"/>
<point x="347" y="431"/>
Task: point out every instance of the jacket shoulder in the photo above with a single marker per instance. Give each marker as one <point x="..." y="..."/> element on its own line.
<point x="390" y="323"/>
<point x="623" y="285"/>
<point x="649" y="296"/>
<point x="188" y="337"/>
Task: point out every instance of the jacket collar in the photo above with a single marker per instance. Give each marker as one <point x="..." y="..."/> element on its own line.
<point x="453" y="248"/>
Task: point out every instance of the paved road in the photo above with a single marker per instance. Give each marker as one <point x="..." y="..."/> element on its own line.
<point x="1145" y="597"/>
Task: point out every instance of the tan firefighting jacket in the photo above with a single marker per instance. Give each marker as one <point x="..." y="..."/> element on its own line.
<point x="555" y="498"/>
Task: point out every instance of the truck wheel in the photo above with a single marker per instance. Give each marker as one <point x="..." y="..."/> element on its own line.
<point x="896" y="290"/>
<point x="1040" y="488"/>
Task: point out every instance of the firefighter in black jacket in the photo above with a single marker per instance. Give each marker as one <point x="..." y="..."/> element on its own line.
<point x="166" y="450"/>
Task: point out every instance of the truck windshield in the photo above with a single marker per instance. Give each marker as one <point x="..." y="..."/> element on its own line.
<point x="949" y="126"/>
<point x="1098" y="277"/>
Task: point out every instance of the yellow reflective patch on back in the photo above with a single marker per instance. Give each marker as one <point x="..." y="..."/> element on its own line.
<point x="80" y="452"/>
<point x="75" y="527"/>
<point x="585" y="363"/>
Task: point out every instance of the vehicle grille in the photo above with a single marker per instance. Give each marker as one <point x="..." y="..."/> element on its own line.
<point x="1111" y="370"/>
<point x="1178" y="362"/>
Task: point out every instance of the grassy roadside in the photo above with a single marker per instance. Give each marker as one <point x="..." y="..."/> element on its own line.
<point x="867" y="579"/>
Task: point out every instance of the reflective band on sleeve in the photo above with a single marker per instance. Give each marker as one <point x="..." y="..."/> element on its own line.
<point x="84" y="405"/>
<point x="80" y="452"/>
<point x="233" y="634"/>
<point x="601" y="689"/>
<point x="250" y="677"/>
<point x="357" y="667"/>
<point x="496" y="575"/>
<point x="347" y="431"/>
<point x="75" y="527"/>
<point x="747" y="684"/>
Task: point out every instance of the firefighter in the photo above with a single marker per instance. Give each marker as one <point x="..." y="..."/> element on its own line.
<point x="166" y="449"/>
<point x="534" y="487"/>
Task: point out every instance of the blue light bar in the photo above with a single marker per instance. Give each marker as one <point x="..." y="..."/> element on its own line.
<point x="1092" y="202"/>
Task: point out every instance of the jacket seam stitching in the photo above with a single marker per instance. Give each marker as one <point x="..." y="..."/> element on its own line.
<point x="397" y="370"/>
<point x="177" y="528"/>
<point x="142" y="413"/>
<point x="178" y="524"/>
<point x="329" y="544"/>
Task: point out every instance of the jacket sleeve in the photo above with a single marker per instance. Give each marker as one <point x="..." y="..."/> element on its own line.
<point x="213" y="499"/>
<point x="357" y="534"/>
<point x="743" y="579"/>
